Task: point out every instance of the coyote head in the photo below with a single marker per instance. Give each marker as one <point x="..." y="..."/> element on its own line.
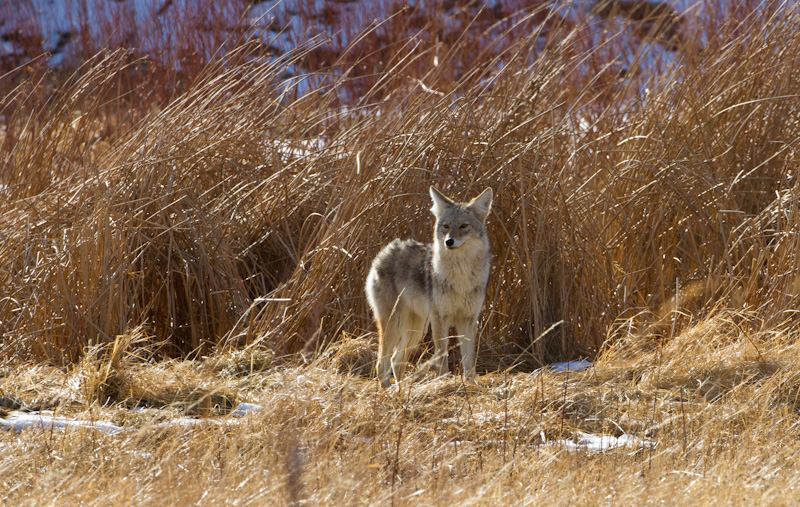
<point x="457" y="223"/>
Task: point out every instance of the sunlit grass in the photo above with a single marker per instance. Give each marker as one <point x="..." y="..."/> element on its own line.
<point x="212" y="248"/>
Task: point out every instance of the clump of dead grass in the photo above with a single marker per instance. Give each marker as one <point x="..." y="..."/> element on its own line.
<point x="352" y="356"/>
<point x="117" y="374"/>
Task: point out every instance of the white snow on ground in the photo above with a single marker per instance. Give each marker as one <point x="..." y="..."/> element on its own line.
<point x="570" y="366"/>
<point x="246" y="408"/>
<point x="188" y="422"/>
<point x="20" y="421"/>
<point x="600" y="443"/>
<point x="585" y="443"/>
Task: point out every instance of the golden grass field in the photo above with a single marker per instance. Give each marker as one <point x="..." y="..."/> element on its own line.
<point x="164" y="258"/>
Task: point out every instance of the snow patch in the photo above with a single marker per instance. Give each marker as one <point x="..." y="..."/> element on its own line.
<point x="19" y="421"/>
<point x="187" y="422"/>
<point x="246" y="408"/>
<point x="600" y="443"/>
<point x="570" y="366"/>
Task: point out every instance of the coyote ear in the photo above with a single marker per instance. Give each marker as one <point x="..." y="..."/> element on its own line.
<point x="481" y="205"/>
<point x="440" y="201"/>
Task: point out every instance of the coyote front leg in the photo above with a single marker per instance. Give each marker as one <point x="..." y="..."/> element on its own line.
<point x="440" y="333"/>
<point x="467" y="336"/>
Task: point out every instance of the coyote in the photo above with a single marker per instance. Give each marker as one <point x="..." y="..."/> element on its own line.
<point x="411" y="284"/>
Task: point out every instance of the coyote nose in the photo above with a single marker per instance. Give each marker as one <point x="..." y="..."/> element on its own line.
<point x="449" y="242"/>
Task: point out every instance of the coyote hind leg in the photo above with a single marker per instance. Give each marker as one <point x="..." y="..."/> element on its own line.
<point x="390" y="335"/>
<point x="384" y="355"/>
<point x="411" y="329"/>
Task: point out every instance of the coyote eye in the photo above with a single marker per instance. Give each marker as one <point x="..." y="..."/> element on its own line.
<point x="464" y="226"/>
<point x="446" y="227"/>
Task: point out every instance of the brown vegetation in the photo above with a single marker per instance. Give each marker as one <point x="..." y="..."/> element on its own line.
<point x="210" y="246"/>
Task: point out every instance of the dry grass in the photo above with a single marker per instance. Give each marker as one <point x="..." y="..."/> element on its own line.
<point x="721" y="409"/>
<point x="187" y="253"/>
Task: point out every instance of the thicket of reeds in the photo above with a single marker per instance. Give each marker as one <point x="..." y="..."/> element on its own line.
<point x="628" y="173"/>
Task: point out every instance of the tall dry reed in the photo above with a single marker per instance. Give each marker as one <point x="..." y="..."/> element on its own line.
<point x="640" y="177"/>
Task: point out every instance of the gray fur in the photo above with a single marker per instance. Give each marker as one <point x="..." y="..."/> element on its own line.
<point x="411" y="285"/>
